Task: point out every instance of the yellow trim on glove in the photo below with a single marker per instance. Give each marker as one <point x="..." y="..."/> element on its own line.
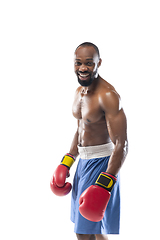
<point x="109" y="184"/>
<point x="67" y="161"/>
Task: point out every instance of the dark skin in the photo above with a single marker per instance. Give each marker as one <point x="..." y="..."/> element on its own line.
<point x="99" y="113"/>
<point x="91" y="237"/>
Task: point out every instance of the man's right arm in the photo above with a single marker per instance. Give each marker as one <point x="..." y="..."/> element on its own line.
<point x="74" y="145"/>
<point x="58" y="183"/>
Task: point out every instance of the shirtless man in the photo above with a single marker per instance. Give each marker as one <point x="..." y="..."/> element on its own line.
<point x="101" y="143"/>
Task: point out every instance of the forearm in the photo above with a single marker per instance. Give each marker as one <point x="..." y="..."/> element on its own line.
<point x="117" y="157"/>
<point x="74" y="147"/>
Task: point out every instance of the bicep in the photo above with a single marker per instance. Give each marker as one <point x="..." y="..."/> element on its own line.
<point x="115" y="117"/>
<point x="117" y="126"/>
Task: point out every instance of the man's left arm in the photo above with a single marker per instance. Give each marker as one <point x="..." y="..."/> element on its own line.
<point x="117" y="128"/>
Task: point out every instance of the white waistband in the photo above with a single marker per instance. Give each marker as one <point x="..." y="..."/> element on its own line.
<point x="97" y="151"/>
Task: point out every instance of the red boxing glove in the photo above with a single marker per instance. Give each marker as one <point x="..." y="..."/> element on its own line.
<point x="57" y="184"/>
<point x="60" y="191"/>
<point x="94" y="200"/>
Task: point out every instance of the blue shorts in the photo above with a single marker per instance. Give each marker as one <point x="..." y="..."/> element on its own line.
<point x="86" y="174"/>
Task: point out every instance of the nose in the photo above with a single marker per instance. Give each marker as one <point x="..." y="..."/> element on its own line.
<point x="83" y="68"/>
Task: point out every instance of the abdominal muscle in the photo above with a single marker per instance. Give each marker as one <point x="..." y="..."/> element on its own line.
<point x="92" y="134"/>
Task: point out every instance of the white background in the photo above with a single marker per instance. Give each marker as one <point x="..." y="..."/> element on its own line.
<point x="37" y="85"/>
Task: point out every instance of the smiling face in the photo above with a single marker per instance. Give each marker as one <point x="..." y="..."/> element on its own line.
<point x="86" y="65"/>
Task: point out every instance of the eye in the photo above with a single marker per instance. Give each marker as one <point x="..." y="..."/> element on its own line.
<point x="90" y="63"/>
<point x="77" y="63"/>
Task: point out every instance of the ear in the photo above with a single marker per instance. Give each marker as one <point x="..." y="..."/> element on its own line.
<point x="100" y="61"/>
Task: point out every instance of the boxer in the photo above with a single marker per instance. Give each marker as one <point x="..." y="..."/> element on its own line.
<point x="101" y="144"/>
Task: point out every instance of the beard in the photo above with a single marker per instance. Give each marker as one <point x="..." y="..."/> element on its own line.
<point x="86" y="83"/>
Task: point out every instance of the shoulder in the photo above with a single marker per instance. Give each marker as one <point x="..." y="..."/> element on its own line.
<point x="109" y="99"/>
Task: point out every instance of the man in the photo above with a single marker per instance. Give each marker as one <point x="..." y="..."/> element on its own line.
<point x="101" y="143"/>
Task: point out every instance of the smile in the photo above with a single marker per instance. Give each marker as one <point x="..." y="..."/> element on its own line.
<point x="84" y="76"/>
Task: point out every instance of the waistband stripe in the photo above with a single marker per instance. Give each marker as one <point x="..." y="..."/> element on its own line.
<point x="97" y="151"/>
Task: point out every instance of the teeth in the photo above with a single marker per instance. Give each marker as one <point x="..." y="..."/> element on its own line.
<point x="84" y="75"/>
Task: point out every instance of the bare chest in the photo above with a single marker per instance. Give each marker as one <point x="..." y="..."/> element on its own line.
<point x="87" y="108"/>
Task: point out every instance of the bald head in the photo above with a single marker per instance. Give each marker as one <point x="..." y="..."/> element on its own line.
<point x="89" y="44"/>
